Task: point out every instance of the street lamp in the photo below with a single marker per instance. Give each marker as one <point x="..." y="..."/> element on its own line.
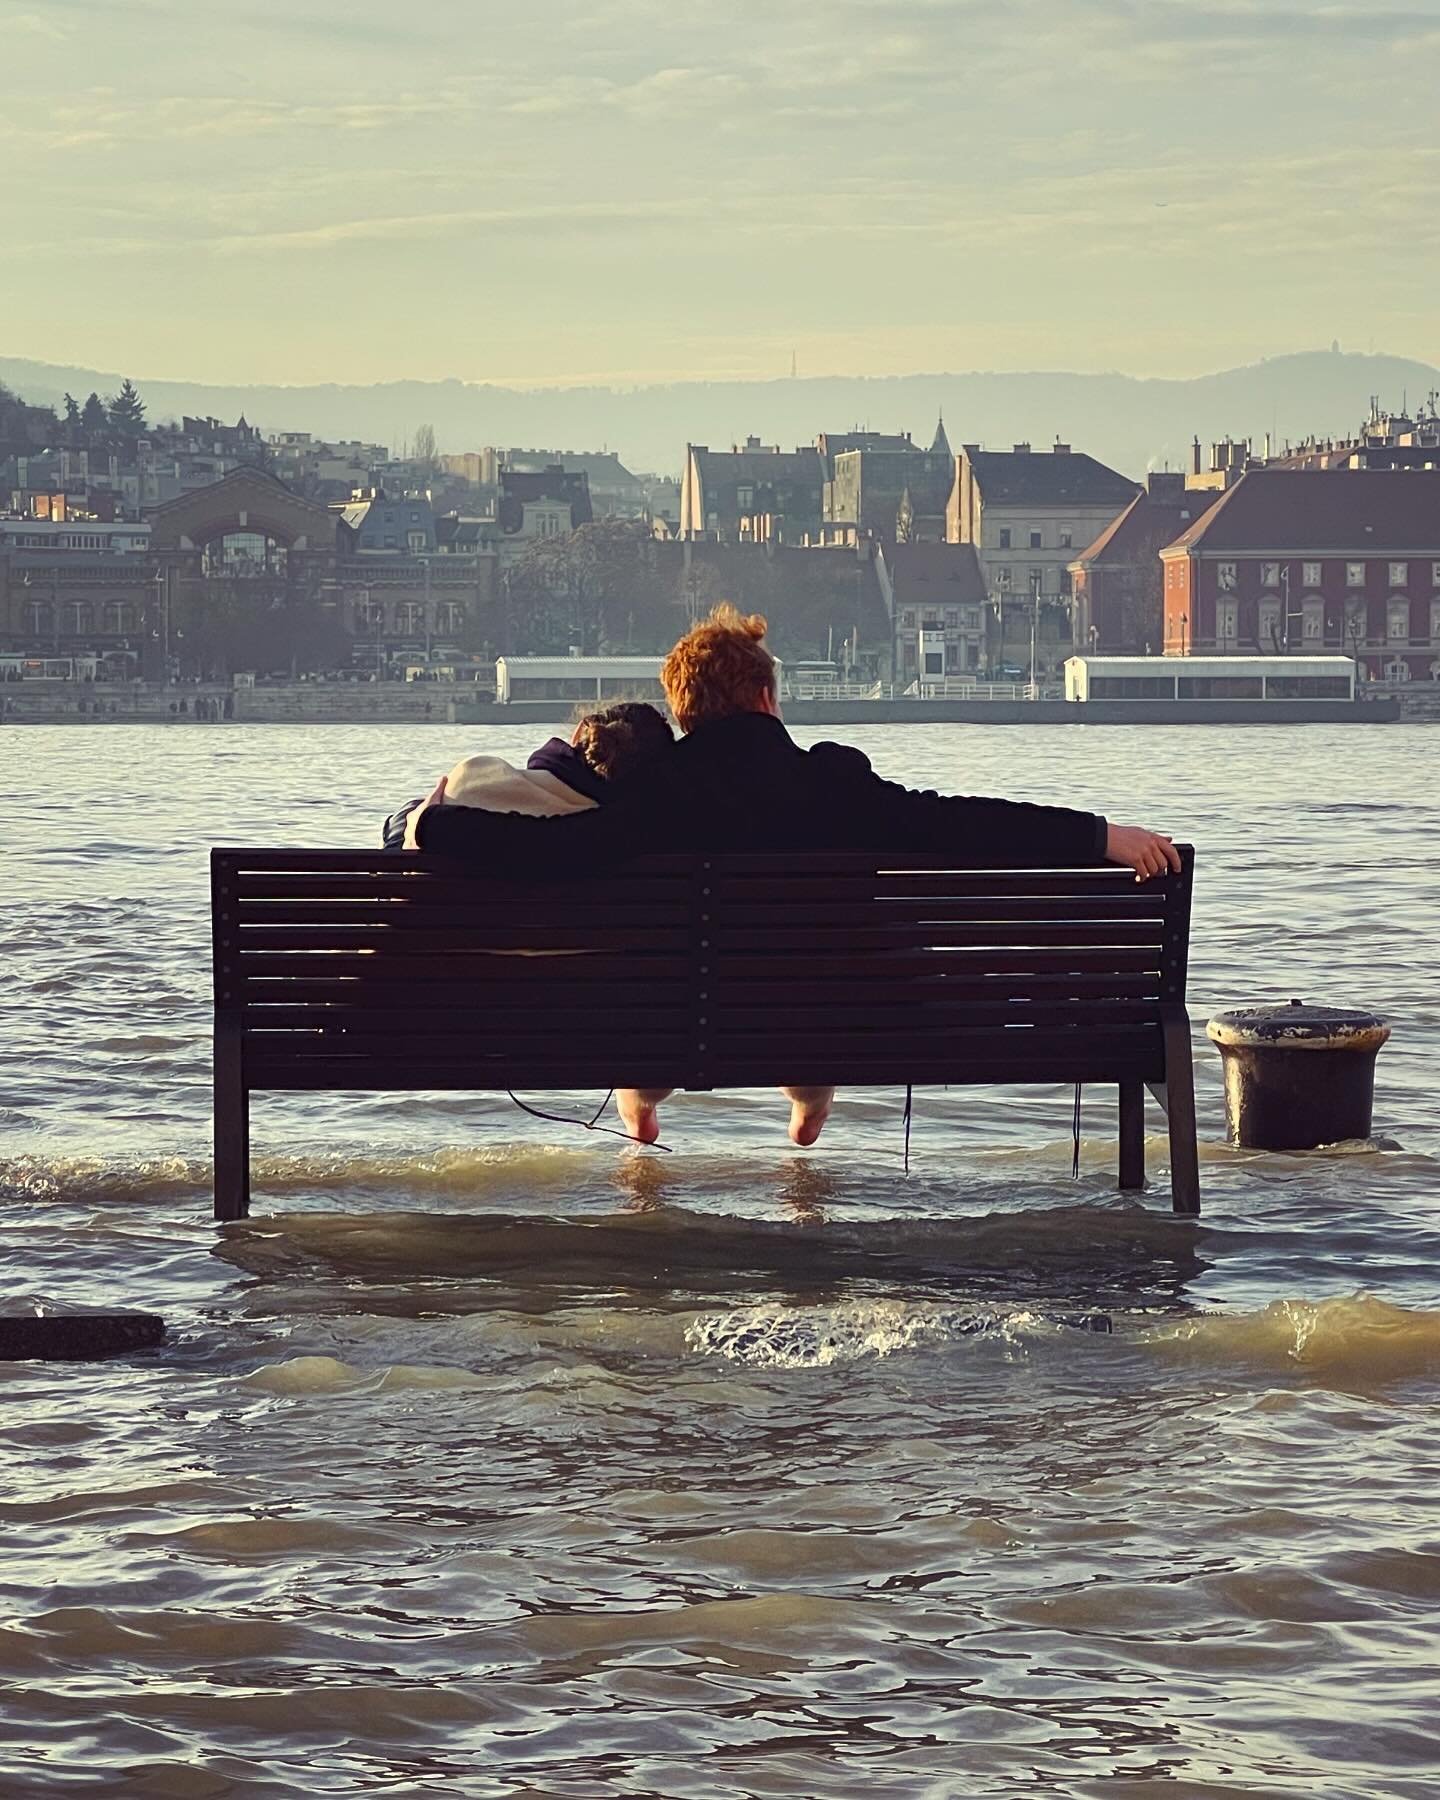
<point x="1035" y="580"/>
<point x="1184" y="634"/>
<point x="426" y="561"/>
<point x="1285" y="603"/>
<point x="162" y="600"/>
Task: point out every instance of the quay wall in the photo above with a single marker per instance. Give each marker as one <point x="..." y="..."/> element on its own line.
<point x="442" y="703"/>
<point x="1003" y="712"/>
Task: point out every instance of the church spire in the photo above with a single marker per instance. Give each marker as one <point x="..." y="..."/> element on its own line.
<point x="941" y="446"/>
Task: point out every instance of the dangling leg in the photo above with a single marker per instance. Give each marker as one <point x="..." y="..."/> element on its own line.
<point x="636" y="1107"/>
<point x="809" y="1109"/>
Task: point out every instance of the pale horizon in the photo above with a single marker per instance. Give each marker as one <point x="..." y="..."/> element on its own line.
<point x="626" y="380"/>
<point x="649" y="194"/>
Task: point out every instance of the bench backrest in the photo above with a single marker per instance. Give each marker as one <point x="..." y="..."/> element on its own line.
<point x="368" y="970"/>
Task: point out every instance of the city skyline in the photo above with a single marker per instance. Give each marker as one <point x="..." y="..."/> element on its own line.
<point x="649" y="194"/>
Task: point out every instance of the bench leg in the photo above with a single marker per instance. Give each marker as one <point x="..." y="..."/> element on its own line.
<point x="1177" y="1096"/>
<point x="1132" y="1135"/>
<point x="232" y="1134"/>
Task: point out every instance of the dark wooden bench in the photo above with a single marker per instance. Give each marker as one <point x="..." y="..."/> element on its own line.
<point x="339" y="969"/>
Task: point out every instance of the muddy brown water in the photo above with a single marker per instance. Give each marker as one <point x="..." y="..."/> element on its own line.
<point x="489" y="1458"/>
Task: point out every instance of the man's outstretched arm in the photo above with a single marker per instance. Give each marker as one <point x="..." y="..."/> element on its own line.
<point x="1008" y="831"/>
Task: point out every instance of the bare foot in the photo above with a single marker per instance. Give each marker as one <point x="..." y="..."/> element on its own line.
<point x="637" y="1110"/>
<point x="809" y="1109"/>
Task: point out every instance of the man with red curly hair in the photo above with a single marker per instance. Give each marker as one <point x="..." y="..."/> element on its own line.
<point x="738" y="781"/>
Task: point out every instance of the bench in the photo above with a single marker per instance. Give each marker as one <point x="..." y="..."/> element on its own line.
<point x="343" y="969"/>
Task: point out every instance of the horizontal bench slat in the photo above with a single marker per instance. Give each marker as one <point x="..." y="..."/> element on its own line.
<point x="399" y="942"/>
<point x="822" y="973"/>
<point x="538" y="1078"/>
<point x="967" y="1045"/>
<point x="643" y="1012"/>
<point x="421" y="885"/>
<point x="1096" y="993"/>
<point x="514" y="1012"/>
<point x="821" y="933"/>
<point x="794" y="882"/>
<point x="552" y="912"/>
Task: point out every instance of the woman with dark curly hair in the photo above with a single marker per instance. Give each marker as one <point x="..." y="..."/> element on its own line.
<point x="606" y="749"/>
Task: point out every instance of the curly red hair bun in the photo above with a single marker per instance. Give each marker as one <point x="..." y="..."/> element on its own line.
<point x="719" y="668"/>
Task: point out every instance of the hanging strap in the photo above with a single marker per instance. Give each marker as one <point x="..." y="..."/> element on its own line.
<point x="1075" y="1156"/>
<point x="591" y="1124"/>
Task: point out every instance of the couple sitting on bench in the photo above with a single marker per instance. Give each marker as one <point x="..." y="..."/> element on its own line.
<point x="735" y="781"/>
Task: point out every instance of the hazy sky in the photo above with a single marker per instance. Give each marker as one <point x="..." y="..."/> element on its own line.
<point x="629" y="191"/>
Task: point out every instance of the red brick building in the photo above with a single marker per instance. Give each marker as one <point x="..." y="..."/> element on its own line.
<point x="1345" y="560"/>
<point x="1116" y="581"/>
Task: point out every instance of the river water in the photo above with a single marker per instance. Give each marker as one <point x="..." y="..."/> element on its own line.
<point x="491" y="1458"/>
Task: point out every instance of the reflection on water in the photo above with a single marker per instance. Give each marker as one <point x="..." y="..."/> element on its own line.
<point x="490" y="1459"/>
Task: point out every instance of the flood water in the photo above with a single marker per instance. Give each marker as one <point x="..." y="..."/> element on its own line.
<point x="491" y="1458"/>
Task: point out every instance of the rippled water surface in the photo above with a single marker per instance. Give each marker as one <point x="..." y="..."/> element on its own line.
<point x="491" y="1458"/>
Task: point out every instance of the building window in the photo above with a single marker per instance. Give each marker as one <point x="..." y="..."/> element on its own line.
<point x="952" y="618"/>
<point x="416" y="541"/>
<point x="1005" y="545"/>
<point x="1314" y="621"/>
<point x="1227" y="623"/>
<point x="1219" y="687"/>
<point x="1225" y="578"/>
<point x="744" y="499"/>
<point x="79" y="617"/>
<point x="117" y="617"/>
<point x="907" y="618"/>
<point x="1271" y="636"/>
<point x="1399" y="574"/>
<point x="1355" y="574"/>
<point x="1435" y="574"/>
<point x="1002" y="576"/>
<point x="1269" y="574"/>
<point x="1067" y="538"/>
<point x="1310" y="574"/>
<point x="1064" y="581"/>
<point x="1308" y="687"/>
<point x="1397" y="620"/>
<point x="1435" y="621"/>
<point x="1356" y="624"/>
<point x="1035" y="542"/>
<point x="1037" y="581"/>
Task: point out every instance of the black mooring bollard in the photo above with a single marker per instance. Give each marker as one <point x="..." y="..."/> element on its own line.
<point x="1298" y="1076"/>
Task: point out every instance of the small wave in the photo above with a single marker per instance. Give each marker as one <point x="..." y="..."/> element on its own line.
<point x="91" y="1179"/>
<point x="329" y="1375"/>
<point x="776" y="1337"/>
<point x="1358" y="1337"/>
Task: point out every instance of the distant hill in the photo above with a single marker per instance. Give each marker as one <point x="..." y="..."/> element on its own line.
<point x="1131" y="423"/>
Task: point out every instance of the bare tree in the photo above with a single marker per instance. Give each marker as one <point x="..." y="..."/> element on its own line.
<point x="424" y="451"/>
<point x="596" y="586"/>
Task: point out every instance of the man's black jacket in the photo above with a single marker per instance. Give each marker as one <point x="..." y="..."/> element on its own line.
<point x="742" y="783"/>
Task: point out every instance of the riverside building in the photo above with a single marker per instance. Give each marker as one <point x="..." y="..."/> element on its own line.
<point x="1308" y="561"/>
